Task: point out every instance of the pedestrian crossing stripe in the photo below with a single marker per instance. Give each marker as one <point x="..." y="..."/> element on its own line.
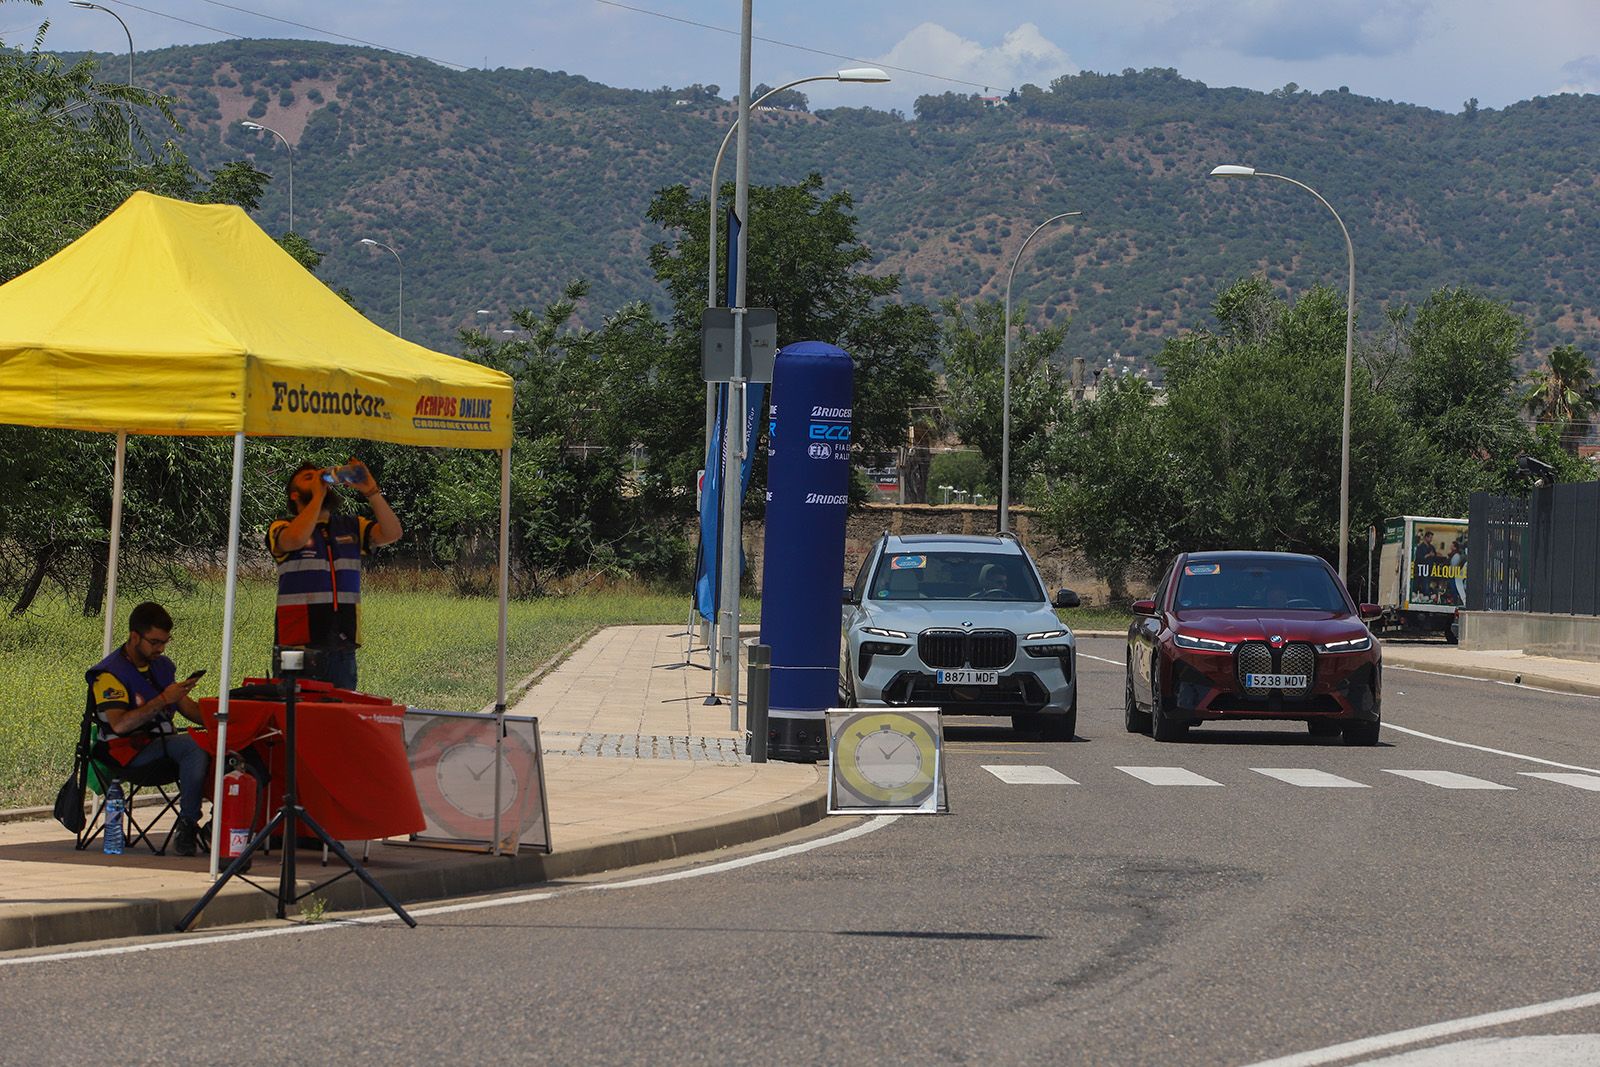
<point x="1301" y="777"/>
<point x="1580" y="781"/>
<point x="1449" y="780"/>
<point x="1015" y="774"/>
<point x="1167" y="776"/>
<point x="1308" y="778"/>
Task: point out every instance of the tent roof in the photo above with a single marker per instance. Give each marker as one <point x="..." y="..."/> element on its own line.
<point x="178" y="318"/>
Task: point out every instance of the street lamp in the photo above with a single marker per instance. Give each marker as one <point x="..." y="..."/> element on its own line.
<point x="1005" y="387"/>
<point x="258" y="128"/>
<point x="946" y="489"/>
<point x="1233" y="171"/>
<point x="400" y="319"/>
<point x="866" y="75"/>
<point x="726" y="660"/>
<point x="96" y="7"/>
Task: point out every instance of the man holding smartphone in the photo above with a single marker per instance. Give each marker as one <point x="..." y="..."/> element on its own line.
<point x="135" y="695"/>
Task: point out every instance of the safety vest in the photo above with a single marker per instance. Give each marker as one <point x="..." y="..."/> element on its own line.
<point x="141" y="689"/>
<point x="319" y="587"/>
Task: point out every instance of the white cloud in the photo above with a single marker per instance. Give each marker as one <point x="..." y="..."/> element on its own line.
<point x="1582" y="75"/>
<point x="1022" y="55"/>
<point x="1298" y="30"/>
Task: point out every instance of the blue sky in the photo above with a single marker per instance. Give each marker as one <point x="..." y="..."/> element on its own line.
<point x="1436" y="53"/>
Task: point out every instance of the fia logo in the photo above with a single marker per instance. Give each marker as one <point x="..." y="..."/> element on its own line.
<point x="817" y="450"/>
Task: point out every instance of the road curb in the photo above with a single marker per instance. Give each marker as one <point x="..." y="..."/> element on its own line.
<point x="1496" y="674"/>
<point x="144" y="917"/>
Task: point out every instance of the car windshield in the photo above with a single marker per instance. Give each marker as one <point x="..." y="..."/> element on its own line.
<point x="1254" y="584"/>
<point x="950" y="575"/>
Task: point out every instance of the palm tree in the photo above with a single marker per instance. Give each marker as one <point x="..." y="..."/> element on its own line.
<point x="1565" y="392"/>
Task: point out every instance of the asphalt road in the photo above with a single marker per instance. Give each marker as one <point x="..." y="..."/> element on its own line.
<point x="1108" y="921"/>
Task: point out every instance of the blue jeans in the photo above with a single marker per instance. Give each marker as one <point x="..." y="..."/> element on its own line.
<point x="193" y="763"/>
<point x="336" y="666"/>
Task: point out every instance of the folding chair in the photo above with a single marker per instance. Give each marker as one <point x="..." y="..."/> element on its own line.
<point x="160" y="775"/>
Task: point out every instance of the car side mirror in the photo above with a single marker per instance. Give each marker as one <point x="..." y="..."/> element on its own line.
<point x="1066" y="598"/>
<point x="1371" y="611"/>
<point x="1144" y="607"/>
<point x="849" y="595"/>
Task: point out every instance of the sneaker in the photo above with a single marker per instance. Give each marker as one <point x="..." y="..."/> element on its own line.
<point x="186" y="844"/>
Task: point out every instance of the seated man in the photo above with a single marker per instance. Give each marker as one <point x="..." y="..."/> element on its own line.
<point x="134" y="695"/>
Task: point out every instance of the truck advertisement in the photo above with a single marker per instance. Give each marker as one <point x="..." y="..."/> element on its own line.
<point x="1422" y="573"/>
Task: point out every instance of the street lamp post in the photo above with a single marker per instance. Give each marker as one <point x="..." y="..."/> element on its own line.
<point x="869" y="75"/>
<point x="87" y="6"/>
<point x="725" y="663"/>
<point x="258" y="127"/>
<point x="400" y="319"/>
<point x="1233" y="171"/>
<point x="1005" y="386"/>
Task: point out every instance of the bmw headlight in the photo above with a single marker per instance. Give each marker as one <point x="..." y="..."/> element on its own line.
<point x="1354" y="644"/>
<point x="1046" y="635"/>
<point x="1203" y="644"/>
<point x="878" y="631"/>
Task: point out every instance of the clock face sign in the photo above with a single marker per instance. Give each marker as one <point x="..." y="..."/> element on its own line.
<point x="452" y="762"/>
<point x="884" y="759"/>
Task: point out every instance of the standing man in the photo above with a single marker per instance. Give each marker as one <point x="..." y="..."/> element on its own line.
<point x="135" y="695"/>
<point x="319" y="550"/>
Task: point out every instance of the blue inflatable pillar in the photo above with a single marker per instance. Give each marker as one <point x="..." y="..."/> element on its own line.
<point x="808" y="487"/>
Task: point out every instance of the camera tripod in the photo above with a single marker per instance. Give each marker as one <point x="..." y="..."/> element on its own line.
<point x="287" y="821"/>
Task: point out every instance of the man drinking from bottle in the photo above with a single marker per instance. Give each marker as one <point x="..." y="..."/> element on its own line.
<point x="319" y="550"/>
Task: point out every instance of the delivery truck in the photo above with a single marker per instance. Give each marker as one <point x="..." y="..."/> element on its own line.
<point x="1421" y="582"/>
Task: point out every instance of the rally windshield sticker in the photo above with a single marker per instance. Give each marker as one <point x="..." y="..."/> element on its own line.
<point x="908" y="563"/>
<point x="1202" y="568"/>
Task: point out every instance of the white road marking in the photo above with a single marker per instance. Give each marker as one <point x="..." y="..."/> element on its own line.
<point x="1582" y="781"/>
<point x="1496" y="681"/>
<point x="1101" y="659"/>
<point x="1449" y="779"/>
<point x="1310" y="779"/>
<point x="1167" y="776"/>
<point x="876" y="823"/>
<point x="1485" y="748"/>
<point x="1543" y="1050"/>
<point x="1366" y="1046"/>
<point x="1014" y="774"/>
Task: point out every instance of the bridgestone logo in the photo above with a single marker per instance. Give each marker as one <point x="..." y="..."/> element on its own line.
<point x="830" y="413"/>
<point x="827" y="498"/>
<point x="302" y="401"/>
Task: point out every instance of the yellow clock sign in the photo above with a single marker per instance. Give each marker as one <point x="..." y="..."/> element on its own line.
<point x="884" y="760"/>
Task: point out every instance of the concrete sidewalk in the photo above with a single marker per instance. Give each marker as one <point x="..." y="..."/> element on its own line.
<point x="638" y="770"/>
<point x="1500" y="665"/>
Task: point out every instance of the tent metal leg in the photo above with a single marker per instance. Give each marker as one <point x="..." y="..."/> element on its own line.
<point x="225" y="672"/>
<point x="117" y="472"/>
<point x="500" y="677"/>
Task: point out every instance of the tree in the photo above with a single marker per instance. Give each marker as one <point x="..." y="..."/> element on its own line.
<point x="1109" y="452"/>
<point x="807" y="263"/>
<point x="972" y="348"/>
<point x="1564" y="393"/>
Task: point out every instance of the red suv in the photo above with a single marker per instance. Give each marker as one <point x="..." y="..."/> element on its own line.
<point x="1252" y="635"/>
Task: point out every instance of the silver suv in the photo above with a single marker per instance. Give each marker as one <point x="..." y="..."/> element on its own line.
<point x="961" y="623"/>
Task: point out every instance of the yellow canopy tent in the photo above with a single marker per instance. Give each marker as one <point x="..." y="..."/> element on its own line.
<point x="178" y="318"/>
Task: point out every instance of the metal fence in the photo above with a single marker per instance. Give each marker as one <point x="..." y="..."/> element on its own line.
<point x="1540" y="553"/>
<point x="1497" y="562"/>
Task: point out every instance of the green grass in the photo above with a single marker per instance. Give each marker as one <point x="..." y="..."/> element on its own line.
<point x="423" y="648"/>
<point x="1096" y="618"/>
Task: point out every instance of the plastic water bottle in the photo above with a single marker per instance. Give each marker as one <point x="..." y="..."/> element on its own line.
<point x="349" y="474"/>
<point x="115" y="835"/>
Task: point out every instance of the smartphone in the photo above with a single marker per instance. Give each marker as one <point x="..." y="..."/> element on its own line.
<point x="197" y="675"/>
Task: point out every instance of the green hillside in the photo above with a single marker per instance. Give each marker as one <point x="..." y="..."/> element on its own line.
<point x="497" y="187"/>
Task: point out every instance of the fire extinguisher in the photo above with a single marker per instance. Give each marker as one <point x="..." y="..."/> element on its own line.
<point x="238" y="810"/>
